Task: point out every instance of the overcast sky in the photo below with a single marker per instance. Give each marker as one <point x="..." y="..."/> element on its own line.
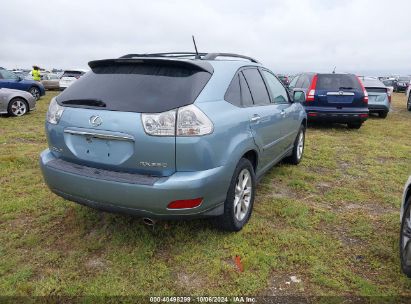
<point x="361" y="36"/>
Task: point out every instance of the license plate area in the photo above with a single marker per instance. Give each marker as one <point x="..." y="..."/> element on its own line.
<point x="100" y="148"/>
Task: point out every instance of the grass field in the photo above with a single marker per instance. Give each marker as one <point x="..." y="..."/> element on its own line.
<point x="332" y="221"/>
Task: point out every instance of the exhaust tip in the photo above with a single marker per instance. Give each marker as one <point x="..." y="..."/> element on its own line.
<point x="149" y="221"/>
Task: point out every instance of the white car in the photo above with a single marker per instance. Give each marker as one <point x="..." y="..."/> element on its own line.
<point x="70" y="76"/>
<point x="405" y="234"/>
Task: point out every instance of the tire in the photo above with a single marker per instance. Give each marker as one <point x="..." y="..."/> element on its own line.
<point x="35" y="92"/>
<point x="405" y="248"/>
<point x="383" y="114"/>
<point x="409" y="102"/>
<point x="17" y="107"/>
<point x="236" y="210"/>
<point x="354" y="125"/>
<point x="298" y="149"/>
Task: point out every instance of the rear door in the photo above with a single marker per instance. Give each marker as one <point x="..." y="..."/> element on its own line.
<point x="265" y="118"/>
<point x="289" y="123"/>
<point x="338" y="90"/>
<point x="101" y="125"/>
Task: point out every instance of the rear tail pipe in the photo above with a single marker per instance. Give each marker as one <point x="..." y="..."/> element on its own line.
<point x="148" y="221"/>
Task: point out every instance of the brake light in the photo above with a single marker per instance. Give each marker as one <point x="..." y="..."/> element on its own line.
<point x="311" y="90"/>
<point x="389" y="95"/>
<point x="185" y="204"/>
<point x="364" y="90"/>
<point x="184" y="121"/>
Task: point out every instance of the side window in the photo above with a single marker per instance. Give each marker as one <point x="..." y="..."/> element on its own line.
<point x="257" y="86"/>
<point x="246" y="98"/>
<point x="277" y="90"/>
<point x="8" y="75"/>
<point x="293" y="82"/>
<point x="305" y="82"/>
<point x="300" y="81"/>
<point x="233" y="94"/>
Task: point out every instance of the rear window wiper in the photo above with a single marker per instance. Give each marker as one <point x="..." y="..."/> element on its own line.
<point x="85" y="102"/>
<point x="346" y="88"/>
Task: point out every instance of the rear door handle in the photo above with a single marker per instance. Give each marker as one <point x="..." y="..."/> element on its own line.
<point x="255" y="118"/>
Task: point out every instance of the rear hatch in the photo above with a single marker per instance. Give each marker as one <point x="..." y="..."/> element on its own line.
<point x="69" y="77"/>
<point x="339" y="91"/>
<point x="377" y="95"/>
<point x="101" y="125"/>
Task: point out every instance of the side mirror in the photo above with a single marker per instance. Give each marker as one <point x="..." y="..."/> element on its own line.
<point x="298" y="96"/>
<point x="19" y="78"/>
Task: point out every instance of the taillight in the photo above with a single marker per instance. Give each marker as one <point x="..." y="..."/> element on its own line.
<point x="311" y="90"/>
<point x="185" y="204"/>
<point x="364" y="90"/>
<point x="184" y="121"/>
<point x="389" y="95"/>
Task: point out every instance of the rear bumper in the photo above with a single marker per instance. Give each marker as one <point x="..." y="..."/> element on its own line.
<point x="148" y="198"/>
<point x="344" y="115"/>
<point x="376" y="108"/>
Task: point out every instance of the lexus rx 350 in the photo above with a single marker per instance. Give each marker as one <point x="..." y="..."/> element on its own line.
<point x="171" y="136"/>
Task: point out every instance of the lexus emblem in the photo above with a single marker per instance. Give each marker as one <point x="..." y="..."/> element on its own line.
<point x="341" y="92"/>
<point x="95" y="120"/>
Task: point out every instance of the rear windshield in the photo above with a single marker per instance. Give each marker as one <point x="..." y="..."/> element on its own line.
<point x="338" y="82"/>
<point x="137" y="87"/>
<point x="373" y="83"/>
<point x="72" y="73"/>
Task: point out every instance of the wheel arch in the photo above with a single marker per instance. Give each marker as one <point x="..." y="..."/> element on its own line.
<point x="252" y="156"/>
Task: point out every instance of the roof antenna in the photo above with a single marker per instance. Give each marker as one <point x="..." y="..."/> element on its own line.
<point x="334" y="70"/>
<point x="195" y="46"/>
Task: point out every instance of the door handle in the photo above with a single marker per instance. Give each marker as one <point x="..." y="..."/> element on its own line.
<point x="255" y="118"/>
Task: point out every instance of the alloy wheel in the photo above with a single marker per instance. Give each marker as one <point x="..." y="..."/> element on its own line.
<point x="18" y="108"/>
<point x="243" y="192"/>
<point x="300" y="145"/>
<point x="406" y="239"/>
<point x="35" y="93"/>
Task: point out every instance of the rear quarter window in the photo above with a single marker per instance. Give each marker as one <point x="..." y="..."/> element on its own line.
<point x="337" y="82"/>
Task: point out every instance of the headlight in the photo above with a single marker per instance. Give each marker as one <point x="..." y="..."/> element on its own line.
<point x="191" y="121"/>
<point x="55" y="112"/>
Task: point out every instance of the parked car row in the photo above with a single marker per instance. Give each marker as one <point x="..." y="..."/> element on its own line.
<point x="16" y="86"/>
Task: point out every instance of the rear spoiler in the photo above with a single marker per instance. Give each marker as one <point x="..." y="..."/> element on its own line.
<point x="190" y="64"/>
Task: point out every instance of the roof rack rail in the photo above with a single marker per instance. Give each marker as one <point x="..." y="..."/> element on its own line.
<point x="205" y="56"/>
<point x="170" y="54"/>
<point x="213" y="56"/>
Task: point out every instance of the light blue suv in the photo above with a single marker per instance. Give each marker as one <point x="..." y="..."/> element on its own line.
<point x="171" y="136"/>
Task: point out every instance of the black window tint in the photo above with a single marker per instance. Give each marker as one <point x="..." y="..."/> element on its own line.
<point x="277" y="90"/>
<point x="337" y="82"/>
<point x="257" y="86"/>
<point x="72" y="74"/>
<point x="246" y="98"/>
<point x="138" y="87"/>
<point x="233" y="94"/>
